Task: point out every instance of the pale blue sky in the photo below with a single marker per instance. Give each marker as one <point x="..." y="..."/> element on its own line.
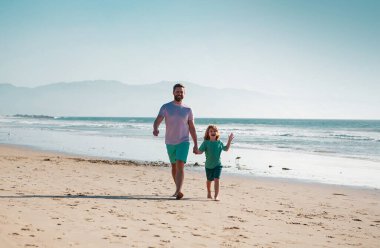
<point x="321" y="48"/>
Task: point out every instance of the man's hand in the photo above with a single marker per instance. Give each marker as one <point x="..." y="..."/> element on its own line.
<point x="156" y="124"/>
<point x="195" y="149"/>
<point x="156" y="132"/>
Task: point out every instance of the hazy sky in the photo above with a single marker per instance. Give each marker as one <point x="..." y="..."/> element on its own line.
<point x="321" y="48"/>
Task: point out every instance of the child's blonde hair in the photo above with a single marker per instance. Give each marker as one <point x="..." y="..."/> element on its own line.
<point x="207" y="136"/>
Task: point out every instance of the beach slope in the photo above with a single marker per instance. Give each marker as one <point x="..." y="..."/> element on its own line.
<point x="54" y="200"/>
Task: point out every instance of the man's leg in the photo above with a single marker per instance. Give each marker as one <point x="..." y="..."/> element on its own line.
<point x="179" y="178"/>
<point x="171" y="149"/>
<point x="174" y="171"/>
<point x="181" y="157"/>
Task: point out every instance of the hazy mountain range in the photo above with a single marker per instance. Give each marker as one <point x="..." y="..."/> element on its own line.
<point x="113" y="98"/>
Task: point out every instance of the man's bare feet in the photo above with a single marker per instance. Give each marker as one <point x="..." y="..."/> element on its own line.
<point x="216" y="199"/>
<point x="179" y="196"/>
<point x="209" y="196"/>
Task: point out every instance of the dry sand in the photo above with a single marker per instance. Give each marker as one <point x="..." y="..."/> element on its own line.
<point x="53" y="200"/>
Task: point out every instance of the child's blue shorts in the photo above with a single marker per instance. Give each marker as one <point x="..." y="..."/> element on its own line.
<point x="211" y="174"/>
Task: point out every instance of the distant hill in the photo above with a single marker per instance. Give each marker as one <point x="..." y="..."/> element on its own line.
<point x="113" y="98"/>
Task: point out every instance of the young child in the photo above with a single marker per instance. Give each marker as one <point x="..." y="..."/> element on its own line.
<point x="213" y="147"/>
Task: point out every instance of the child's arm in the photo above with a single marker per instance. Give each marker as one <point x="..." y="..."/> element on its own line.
<point x="230" y="138"/>
<point x="200" y="150"/>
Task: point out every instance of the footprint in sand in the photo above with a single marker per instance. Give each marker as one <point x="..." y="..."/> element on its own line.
<point x="339" y="194"/>
<point x="181" y="217"/>
<point x="243" y="236"/>
<point x="196" y="234"/>
<point x="231" y="228"/>
<point x="119" y="236"/>
<point x="236" y="218"/>
<point x="293" y="223"/>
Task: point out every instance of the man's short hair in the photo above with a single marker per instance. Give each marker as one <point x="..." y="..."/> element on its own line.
<point x="178" y="85"/>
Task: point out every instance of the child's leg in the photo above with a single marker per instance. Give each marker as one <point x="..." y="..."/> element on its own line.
<point x="208" y="183"/>
<point x="217" y="172"/>
<point x="216" y="188"/>
<point x="209" y="176"/>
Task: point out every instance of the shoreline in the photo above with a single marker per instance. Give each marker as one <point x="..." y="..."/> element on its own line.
<point x="52" y="200"/>
<point x="131" y="140"/>
<point x="190" y="168"/>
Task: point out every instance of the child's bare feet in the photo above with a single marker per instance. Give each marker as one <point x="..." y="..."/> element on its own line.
<point x="179" y="196"/>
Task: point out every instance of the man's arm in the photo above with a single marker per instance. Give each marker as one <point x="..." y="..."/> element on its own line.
<point x="156" y="124"/>
<point x="193" y="134"/>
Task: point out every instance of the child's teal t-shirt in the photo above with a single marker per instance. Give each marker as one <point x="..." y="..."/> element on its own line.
<point x="213" y="149"/>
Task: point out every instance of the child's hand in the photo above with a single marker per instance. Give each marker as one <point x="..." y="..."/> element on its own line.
<point x="231" y="137"/>
<point x="197" y="151"/>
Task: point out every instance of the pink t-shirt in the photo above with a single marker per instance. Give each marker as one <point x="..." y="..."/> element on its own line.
<point x="176" y="121"/>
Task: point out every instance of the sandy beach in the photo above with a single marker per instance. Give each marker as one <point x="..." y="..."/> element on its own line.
<point x="55" y="200"/>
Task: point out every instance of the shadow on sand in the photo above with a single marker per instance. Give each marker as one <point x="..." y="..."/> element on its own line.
<point x="107" y="197"/>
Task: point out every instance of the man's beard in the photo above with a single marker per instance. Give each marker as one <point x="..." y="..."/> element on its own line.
<point x="178" y="98"/>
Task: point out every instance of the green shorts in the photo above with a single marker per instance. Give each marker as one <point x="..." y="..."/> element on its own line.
<point x="211" y="174"/>
<point x="178" y="152"/>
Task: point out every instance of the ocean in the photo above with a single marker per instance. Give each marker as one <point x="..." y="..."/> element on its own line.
<point x="344" y="152"/>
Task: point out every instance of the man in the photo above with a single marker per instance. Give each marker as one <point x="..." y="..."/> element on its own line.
<point x="179" y="122"/>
